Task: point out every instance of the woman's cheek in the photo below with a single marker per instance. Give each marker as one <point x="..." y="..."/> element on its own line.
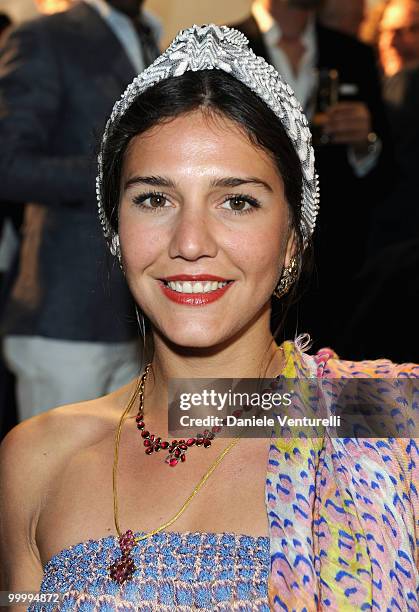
<point x="139" y="247"/>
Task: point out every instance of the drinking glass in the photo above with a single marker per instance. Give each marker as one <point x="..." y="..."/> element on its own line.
<point x="327" y="94"/>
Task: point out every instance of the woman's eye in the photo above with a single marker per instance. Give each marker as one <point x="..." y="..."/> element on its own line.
<point x="240" y="204"/>
<point x="151" y="200"/>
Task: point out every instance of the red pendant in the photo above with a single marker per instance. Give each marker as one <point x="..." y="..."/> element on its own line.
<point x="124" y="567"/>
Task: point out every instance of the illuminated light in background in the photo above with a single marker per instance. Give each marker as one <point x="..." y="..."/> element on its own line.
<point x="52" y="6"/>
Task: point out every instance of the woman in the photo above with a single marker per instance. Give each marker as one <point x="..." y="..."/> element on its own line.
<point x="208" y="197"/>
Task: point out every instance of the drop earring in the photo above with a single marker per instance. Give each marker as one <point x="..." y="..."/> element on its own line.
<point x="288" y="277"/>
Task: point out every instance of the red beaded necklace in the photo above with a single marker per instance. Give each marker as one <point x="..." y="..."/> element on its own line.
<point x="176" y="448"/>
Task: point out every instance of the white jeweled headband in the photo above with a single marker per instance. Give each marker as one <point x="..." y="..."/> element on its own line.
<point x="218" y="47"/>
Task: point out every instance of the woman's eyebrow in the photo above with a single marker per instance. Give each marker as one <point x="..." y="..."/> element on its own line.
<point x="231" y="181"/>
<point x="155" y="181"/>
<point x="228" y="181"/>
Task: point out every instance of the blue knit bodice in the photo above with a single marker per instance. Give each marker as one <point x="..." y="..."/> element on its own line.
<point x="175" y="571"/>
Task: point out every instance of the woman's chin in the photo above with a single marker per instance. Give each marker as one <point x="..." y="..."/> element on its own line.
<point x="194" y="337"/>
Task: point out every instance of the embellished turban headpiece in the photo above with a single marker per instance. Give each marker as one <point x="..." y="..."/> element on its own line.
<point x="219" y="47"/>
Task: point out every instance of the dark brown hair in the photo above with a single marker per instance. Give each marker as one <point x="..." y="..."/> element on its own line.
<point x="221" y="94"/>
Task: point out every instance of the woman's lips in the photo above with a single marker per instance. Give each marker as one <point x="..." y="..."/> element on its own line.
<point x="195" y="299"/>
<point x="194" y="277"/>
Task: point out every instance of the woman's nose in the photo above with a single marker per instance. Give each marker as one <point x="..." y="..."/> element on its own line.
<point x="194" y="235"/>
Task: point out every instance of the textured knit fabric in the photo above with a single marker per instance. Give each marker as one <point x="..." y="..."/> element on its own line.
<point x="344" y="530"/>
<point x="175" y="572"/>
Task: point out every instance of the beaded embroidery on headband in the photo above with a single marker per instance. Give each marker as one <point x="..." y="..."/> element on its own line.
<point x="212" y="47"/>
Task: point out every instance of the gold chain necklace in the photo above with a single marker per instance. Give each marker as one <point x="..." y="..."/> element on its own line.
<point x="123" y="569"/>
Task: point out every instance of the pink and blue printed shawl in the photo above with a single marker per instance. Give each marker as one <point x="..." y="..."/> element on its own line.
<point x="343" y="512"/>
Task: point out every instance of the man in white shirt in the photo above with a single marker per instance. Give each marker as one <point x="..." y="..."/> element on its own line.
<point x="289" y="31"/>
<point x="352" y="166"/>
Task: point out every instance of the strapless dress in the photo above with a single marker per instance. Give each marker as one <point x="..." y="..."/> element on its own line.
<point x="175" y="571"/>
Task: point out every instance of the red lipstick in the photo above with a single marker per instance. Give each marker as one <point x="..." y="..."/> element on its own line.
<point x="194" y="299"/>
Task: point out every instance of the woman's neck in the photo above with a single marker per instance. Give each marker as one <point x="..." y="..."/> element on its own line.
<point x="252" y="354"/>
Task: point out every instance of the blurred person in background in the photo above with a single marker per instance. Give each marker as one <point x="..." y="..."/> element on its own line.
<point x="65" y="339"/>
<point x="352" y="163"/>
<point x="399" y="55"/>
<point x="393" y="247"/>
<point x="371" y="24"/>
<point x="6" y="231"/>
<point x="5" y="238"/>
<point x="10" y="219"/>
<point x="398" y="41"/>
<point x="346" y="17"/>
<point x="398" y="44"/>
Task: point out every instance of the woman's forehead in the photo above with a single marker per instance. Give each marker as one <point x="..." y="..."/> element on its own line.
<point x="197" y="139"/>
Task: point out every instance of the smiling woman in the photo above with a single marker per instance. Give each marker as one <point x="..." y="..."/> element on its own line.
<point x="206" y="124"/>
<point x="194" y="240"/>
<point x="208" y="198"/>
<point x="203" y="211"/>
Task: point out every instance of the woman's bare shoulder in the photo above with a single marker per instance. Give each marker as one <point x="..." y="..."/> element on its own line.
<point x="32" y="457"/>
<point x="44" y="441"/>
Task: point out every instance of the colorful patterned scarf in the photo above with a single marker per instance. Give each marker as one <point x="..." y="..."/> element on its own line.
<point x="343" y="512"/>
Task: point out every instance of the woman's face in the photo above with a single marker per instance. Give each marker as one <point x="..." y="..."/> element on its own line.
<point x="204" y="229"/>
